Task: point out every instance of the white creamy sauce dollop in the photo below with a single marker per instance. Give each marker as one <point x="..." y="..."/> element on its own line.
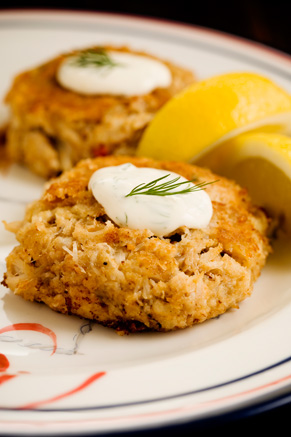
<point x="160" y="214"/>
<point x="131" y="75"/>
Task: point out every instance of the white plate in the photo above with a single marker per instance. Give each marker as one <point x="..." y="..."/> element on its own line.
<point x="72" y="376"/>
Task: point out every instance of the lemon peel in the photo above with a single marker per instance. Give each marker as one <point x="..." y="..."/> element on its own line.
<point x="212" y="111"/>
<point x="261" y="163"/>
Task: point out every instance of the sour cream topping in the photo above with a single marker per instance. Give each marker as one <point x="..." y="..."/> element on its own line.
<point x="130" y="75"/>
<point x="160" y="214"/>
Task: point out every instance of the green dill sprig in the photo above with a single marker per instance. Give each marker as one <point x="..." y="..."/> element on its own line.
<point x="165" y="189"/>
<point x="99" y="58"/>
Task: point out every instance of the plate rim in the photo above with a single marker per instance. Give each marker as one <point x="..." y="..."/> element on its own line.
<point x="48" y="13"/>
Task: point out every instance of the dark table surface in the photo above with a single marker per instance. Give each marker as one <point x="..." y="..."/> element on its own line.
<point x="266" y="22"/>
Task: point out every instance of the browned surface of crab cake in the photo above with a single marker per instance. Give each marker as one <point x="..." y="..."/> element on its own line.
<point x="72" y="257"/>
<point x="52" y="128"/>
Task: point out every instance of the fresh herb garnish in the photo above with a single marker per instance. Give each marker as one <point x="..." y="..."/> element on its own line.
<point x="99" y="58"/>
<point x="164" y="189"/>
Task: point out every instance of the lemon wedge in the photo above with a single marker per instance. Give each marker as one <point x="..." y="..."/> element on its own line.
<point x="212" y="111"/>
<point x="261" y="163"/>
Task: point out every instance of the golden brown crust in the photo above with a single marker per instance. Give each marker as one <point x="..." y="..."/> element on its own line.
<point x="52" y="128"/>
<point x="77" y="261"/>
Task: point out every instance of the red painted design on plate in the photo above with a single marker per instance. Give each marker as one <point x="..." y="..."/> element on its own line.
<point x="5" y="378"/>
<point x="77" y="389"/>
<point x="32" y="327"/>
<point x="4" y="363"/>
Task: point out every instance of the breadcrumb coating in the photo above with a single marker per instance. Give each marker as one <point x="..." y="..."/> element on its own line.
<point x="52" y="128"/>
<point x="76" y="260"/>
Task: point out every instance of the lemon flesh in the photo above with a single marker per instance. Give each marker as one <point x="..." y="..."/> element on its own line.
<point x="212" y="111"/>
<point x="261" y="163"/>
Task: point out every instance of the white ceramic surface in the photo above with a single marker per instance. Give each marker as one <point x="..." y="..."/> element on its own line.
<point x="60" y="374"/>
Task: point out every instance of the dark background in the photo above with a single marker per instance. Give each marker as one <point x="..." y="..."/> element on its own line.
<point x="265" y="22"/>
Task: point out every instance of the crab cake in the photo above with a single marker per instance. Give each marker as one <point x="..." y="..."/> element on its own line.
<point x="53" y="127"/>
<point x="75" y="259"/>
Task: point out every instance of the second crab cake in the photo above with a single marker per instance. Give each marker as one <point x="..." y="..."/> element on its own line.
<point x="55" y="122"/>
<point x="84" y="256"/>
